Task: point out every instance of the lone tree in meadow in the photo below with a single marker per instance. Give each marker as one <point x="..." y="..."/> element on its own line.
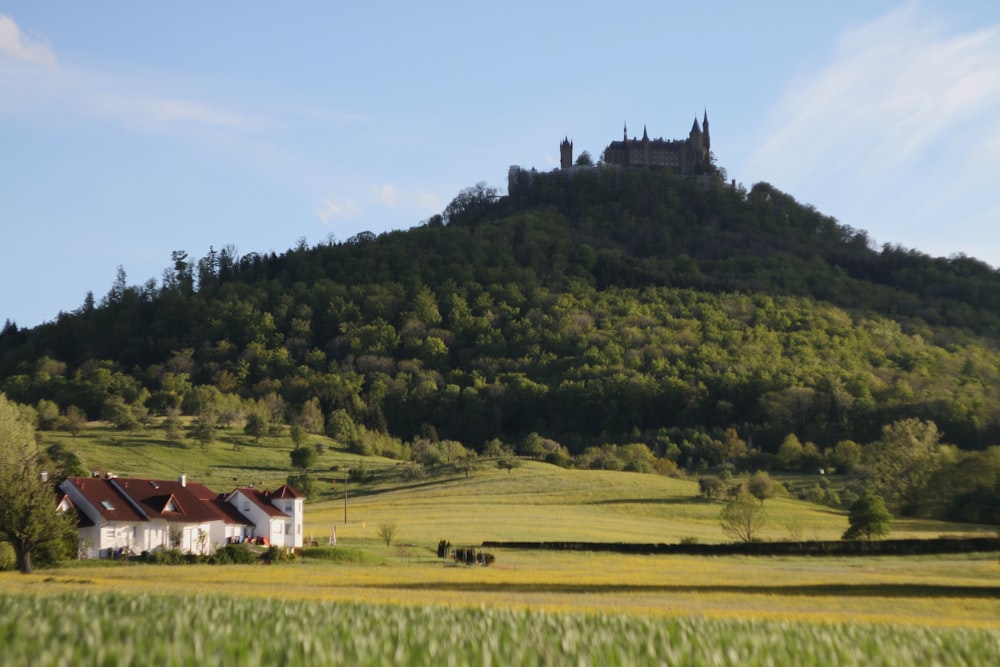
<point x="387" y="533"/>
<point x="743" y="518"/>
<point x="868" y="518"/>
<point x="762" y="486"/>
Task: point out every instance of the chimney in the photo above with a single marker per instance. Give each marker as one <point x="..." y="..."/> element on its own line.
<point x="183" y="479"/>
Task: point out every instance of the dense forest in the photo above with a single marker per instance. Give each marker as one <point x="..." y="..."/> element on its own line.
<point x="705" y="321"/>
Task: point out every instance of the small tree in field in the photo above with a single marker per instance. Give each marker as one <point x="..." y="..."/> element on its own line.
<point x="387" y="533"/>
<point x="868" y="518"/>
<point x="742" y="518"/>
<point x="762" y="486"/>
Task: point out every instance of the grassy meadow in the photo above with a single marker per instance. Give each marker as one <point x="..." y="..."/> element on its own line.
<point x="375" y="603"/>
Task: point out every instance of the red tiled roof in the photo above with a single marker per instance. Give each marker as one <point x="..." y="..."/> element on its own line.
<point x="107" y="499"/>
<point x="131" y="499"/>
<point x="284" y="492"/>
<point x="260" y="499"/>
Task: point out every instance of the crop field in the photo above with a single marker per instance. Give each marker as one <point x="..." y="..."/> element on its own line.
<point x="119" y="629"/>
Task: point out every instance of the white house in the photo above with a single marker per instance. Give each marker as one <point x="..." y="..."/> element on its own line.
<point x="118" y="514"/>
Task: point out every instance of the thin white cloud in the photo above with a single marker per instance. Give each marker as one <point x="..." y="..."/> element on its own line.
<point x="388" y="195"/>
<point x="21" y="47"/>
<point x="137" y="102"/>
<point x="337" y="208"/>
<point x="896" y="87"/>
<point x="153" y="111"/>
<point x="898" y="128"/>
<point x="419" y="201"/>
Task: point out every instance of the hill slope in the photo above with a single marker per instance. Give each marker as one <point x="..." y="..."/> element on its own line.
<point x="614" y="306"/>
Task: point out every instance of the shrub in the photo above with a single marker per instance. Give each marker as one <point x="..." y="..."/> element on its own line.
<point x="234" y="554"/>
<point x="163" y="556"/>
<point x="276" y="555"/>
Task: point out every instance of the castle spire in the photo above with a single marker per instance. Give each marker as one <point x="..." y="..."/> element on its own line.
<point x="694" y="128"/>
<point x="645" y="135"/>
<point x="625" y="135"/>
<point x="704" y="127"/>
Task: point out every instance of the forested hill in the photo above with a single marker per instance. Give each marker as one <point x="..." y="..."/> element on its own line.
<point x="613" y="306"/>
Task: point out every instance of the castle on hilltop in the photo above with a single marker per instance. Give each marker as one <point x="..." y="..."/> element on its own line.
<point x="684" y="156"/>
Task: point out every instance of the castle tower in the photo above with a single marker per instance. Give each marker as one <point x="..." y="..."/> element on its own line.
<point x="696" y="141"/>
<point x="566" y="154"/>
<point x="704" y="130"/>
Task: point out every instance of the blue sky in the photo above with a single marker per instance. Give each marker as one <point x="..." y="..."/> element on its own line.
<point x="130" y="130"/>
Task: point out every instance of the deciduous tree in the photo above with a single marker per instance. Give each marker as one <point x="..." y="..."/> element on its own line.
<point x="743" y="518"/>
<point x="902" y="461"/>
<point x="868" y="518"/>
<point x="29" y="520"/>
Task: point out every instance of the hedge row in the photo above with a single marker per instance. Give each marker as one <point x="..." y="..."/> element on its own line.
<point x="943" y="545"/>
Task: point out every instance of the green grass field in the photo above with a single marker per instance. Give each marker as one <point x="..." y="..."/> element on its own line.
<point x="529" y="607"/>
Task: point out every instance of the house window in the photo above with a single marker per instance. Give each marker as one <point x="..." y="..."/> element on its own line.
<point x="288" y="529"/>
<point x="106" y="504"/>
<point x="288" y="507"/>
<point x="246" y="505"/>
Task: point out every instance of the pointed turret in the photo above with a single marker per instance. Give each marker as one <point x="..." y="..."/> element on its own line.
<point x="704" y="129"/>
<point x="625" y="133"/>
<point x="694" y="128"/>
<point x="645" y="135"/>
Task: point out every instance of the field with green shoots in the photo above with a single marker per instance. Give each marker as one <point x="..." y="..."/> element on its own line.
<point x="139" y="629"/>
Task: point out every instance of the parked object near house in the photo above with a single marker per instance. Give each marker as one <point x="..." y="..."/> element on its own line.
<point x="121" y="516"/>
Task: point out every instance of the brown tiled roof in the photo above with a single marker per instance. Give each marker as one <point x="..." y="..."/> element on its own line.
<point x="107" y="499"/>
<point x="260" y="499"/>
<point x="284" y="491"/>
<point x="132" y="499"/>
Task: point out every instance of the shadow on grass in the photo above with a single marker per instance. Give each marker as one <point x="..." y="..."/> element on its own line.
<point x="816" y="590"/>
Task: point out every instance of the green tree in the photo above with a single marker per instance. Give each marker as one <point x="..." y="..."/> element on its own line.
<point x="48" y="415"/>
<point x="902" y="461"/>
<point x="790" y="452"/>
<point x="257" y="425"/>
<point x="387" y="533"/>
<point x="508" y="460"/>
<point x="29" y="520"/>
<point x="311" y="416"/>
<point x="75" y="420"/>
<point x="202" y="429"/>
<point x="762" y="486"/>
<point x="868" y="518"/>
<point x="302" y="482"/>
<point x="743" y="518"/>
<point x="303" y="457"/>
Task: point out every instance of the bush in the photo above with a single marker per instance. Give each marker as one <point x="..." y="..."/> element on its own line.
<point x="444" y="547"/>
<point x="342" y="555"/>
<point x="276" y="555"/>
<point x="234" y="554"/>
<point x="163" y="556"/>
